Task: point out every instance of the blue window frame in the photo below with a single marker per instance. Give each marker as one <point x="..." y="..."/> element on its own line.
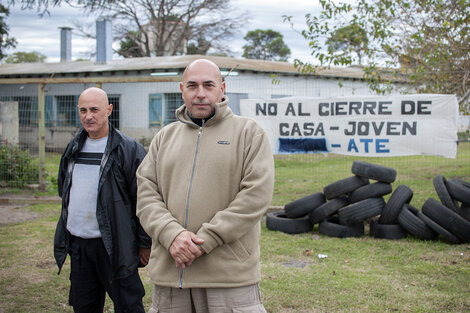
<point x="162" y="108"/>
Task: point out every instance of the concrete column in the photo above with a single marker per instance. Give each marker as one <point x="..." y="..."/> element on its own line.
<point x="65" y="44"/>
<point x="104" y="41"/>
<point x="9" y="122"/>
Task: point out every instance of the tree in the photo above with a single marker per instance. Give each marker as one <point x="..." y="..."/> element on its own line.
<point x="265" y="45"/>
<point x="423" y="42"/>
<point x="166" y="27"/>
<point x="6" y="41"/>
<point x="42" y="6"/>
<point x="347" y="39"/>
<point x="25" y="57"/>
<point x="128" y="48"/>
<point x="199" y="46"/>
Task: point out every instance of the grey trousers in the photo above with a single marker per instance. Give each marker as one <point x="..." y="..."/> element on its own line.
<point x="246" y="299"/>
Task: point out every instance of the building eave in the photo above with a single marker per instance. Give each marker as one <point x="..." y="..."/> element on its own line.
<point x="143" y="66"/>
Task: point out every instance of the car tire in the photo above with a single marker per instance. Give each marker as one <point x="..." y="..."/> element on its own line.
<point x="278" y="221"/>
<point x="375" y="190"/>
<point x="448" y="236"/>
<point x="399" y="197"/>
<point x="465" y="211"/>
<point x="447" y="218"/>
<point x="374" y="171"/>
<point x="331" y="227"/>
<point x="387" y="231"/>
<point x="327" y="209"/>
<point x="409" y="220"/>
<point x="440" y="185"/>
<point x="344" y="186"/>
<point x="360" y="211"/>
<point x="459" y="191"/>
<point x="304" y="206"/>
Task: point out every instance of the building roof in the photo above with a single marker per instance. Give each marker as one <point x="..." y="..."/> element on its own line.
<point x="162" y="64"/>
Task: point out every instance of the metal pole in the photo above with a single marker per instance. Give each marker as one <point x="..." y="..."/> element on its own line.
<point x="41" y="138"/>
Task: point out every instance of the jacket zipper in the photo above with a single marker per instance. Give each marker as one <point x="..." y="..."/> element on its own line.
<point x="189" y="191"/>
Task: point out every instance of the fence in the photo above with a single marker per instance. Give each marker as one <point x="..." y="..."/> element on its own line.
<point x="47" y="118"/>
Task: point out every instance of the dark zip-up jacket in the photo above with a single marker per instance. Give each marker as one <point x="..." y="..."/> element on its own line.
<point x="120" y="228"/>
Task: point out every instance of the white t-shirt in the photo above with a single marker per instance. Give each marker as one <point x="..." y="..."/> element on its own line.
<point x="82" y="221"/>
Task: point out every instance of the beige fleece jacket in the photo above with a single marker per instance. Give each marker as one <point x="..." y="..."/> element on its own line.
<point x="216" y="181"/>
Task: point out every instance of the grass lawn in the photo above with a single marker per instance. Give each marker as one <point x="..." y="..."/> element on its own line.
<point x="358" y="275"/>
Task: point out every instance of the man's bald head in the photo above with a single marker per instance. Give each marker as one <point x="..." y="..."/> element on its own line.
<point x="202" y="88"/>
<point x="97" y="94"/>
<point x="203" y="63"/>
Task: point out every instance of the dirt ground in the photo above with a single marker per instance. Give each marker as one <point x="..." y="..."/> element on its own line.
<point x="14" y="213"/>
<point x="14" y="208"/>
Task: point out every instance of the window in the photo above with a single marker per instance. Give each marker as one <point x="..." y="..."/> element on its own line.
<point x="155" y="110"/>
<point x="162" y="108"/>
<point x="114" y="117"/>
<point x="66" y="111"/>
<point x="172" y="102"/>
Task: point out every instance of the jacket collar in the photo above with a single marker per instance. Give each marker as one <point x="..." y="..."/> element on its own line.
<point x="114" y="138"/>
<point x="222" y="111"/>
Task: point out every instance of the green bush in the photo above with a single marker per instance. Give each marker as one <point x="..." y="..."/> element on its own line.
<point x="16" y="166"/>
<point x="464" y="136"/>
<point x="145" y="141"/>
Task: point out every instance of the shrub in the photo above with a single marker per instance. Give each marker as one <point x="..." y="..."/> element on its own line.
<point x="16" y="166"/>
<point x="145" y="141"/>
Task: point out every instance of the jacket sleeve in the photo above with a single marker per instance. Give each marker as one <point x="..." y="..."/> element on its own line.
<point x="251" y="202"/>
<point x="62" y="171"/>
<point x="151" y="209"/>
<point x="143" y="239"/>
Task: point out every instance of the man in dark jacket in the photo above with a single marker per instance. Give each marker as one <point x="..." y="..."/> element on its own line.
<point x="98" y="226"/>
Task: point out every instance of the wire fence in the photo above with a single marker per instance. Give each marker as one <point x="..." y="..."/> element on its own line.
<point x="140" y="109"/>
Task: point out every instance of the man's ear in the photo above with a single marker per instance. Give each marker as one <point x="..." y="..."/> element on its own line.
<point x="110" y="108"/>
<point x="181" y="88"/>
<point x="223" y="89"/>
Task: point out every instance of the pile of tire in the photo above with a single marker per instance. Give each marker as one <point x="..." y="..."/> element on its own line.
<point x="344" y="208"/>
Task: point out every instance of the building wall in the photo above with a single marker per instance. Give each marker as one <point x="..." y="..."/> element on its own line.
<point x="265" y="86"/>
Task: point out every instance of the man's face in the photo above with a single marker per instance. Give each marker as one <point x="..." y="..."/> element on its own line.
<point x="93" y="109"/>
<point x="202" y="88"/>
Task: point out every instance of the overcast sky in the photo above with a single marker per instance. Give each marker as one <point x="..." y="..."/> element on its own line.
<point x="34" y="33"/>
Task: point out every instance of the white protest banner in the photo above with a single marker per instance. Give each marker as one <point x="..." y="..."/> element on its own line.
<point x="359" y="125"/>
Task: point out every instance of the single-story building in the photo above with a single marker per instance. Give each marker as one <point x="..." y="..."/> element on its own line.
<point x="145" y="91"/>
